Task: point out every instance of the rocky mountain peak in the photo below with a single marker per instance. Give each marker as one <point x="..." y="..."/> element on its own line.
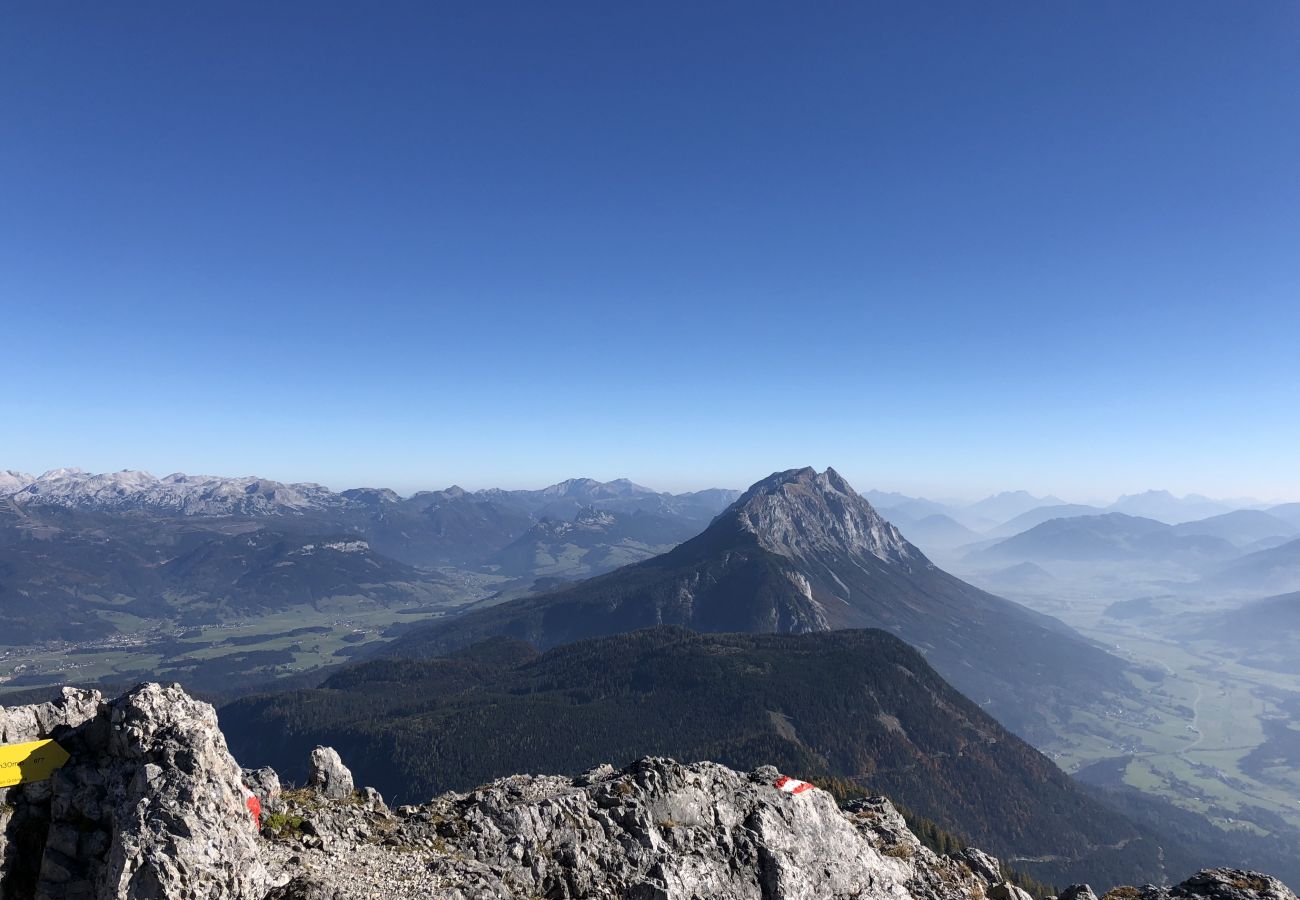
<point x="590" y="488"/>
<point x="11" y="481"/>
<point x="803" y="514"/>
<point x="571" y="486"/>
<point x="587" y="519"/>
<point x="372" y="496"/>
<point x="594" y="518"/>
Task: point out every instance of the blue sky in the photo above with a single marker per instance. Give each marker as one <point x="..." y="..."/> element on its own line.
<point x="947" y="248"/>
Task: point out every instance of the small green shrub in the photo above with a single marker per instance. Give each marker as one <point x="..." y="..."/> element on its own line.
<point x="283" y="825"/>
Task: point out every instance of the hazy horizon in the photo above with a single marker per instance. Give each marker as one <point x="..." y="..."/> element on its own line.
<point x="860" y="483"/>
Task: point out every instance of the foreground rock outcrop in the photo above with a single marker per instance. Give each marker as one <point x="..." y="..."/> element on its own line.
<point x="656" y="830"/>
<point x="152" y="806"/>
<point x="1222" y="884"/>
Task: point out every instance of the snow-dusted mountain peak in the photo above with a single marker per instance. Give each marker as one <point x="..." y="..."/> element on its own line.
<point x="11" y="481"/>
<point x="801" y="513"/>
<point x="454" y="510"/>
<point x="62" y="472"/>
<point x="190" y="495"/>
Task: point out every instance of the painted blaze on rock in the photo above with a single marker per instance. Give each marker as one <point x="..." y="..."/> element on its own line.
<point x="791" y="785"/>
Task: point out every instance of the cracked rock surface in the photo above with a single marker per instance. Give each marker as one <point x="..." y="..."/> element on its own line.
<point x="656" y="830"/>
<point x="149" y="805"/>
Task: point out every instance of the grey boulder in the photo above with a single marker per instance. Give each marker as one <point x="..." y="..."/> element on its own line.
<point x="328" y="775"/>
<point x="1078" y="892"/>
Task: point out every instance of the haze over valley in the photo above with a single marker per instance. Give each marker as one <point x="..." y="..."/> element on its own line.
<point x="1144" y="646"/>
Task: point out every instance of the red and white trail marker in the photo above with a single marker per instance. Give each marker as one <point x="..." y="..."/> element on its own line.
<point x="791" y="785"/>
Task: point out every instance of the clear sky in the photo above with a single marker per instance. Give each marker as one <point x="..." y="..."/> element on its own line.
<point x="945" y="247"/>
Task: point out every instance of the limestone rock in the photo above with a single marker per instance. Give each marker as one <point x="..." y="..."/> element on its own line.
<point x="265" y="785"/>
<point x="657" y="829"/>
<point x="1078" y="892"/>
<point x="149" y="807"/>
<point x="328" y="774"/>
<point x="1006" y="891"/>
<point x="983" y="864"/>
<point x="373" y="800"/>
<point x="301" y="887"/>
<point x="39" y="720"/>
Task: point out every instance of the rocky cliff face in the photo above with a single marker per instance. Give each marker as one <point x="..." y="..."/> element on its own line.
<point x="152" y="806"/>
<point x="805" y="516"/>
<point x="656" y="830"/>
<point x="149" y="805"/>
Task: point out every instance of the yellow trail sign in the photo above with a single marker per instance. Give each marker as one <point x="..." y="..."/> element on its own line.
<point x="33" y="761"/>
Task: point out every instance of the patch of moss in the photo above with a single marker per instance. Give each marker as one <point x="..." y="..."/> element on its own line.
<point x="283" y="825"/>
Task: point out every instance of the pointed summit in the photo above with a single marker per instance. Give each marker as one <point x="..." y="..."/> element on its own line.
<point x="801" y="515"/>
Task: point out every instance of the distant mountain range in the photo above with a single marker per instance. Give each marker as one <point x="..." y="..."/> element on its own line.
<point x="951" y="529"/>
<point x="79" y="551"/>
<point x="1041" y="514"/>
<point x="202" y="495"/>
<point x="1108" y="537"/>
<point x="1216" y="550"/>
<point x="1002" y="507"/>
<point x="429" y="527"/>
<point x="1165" y="507"/>
<point x="803" y="552"/>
